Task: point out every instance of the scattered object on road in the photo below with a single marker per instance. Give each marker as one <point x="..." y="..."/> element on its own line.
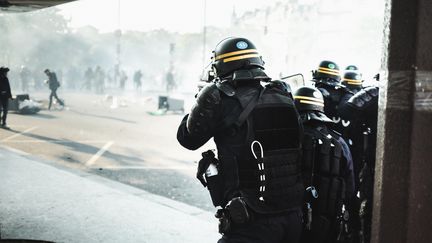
<point x="24" y="105"/>
<point x="159" y="112"/>
<point x="171" y="104"/>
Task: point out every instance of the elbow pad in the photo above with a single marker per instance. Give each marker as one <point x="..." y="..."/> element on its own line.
<point x="201" y="118"/>
<point x="364" y="98"/>
<point x="364" y="101"/>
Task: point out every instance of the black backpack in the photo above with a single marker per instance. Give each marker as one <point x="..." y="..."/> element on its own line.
<point x="323" y="166"/>
<point x="274" y="125"/>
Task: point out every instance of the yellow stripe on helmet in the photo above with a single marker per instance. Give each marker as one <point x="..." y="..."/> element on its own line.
<point x="328" y="69"/>
<point x="312" y="103"/>
<point x="299" y="97"/>
<point x="235" y="53"/>
<point x="352" y="81"/>
<point x="332" y="73"/>
<point x="230" y="59"/>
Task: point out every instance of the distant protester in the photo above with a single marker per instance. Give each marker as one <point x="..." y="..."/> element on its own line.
<point x="53" y="84"/>
<point x="5" y="94"/>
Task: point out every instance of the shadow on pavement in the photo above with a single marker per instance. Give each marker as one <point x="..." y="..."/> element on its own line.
<point x="103" y="117"/>
<point x="83" y="148"/>
<point x="44" y="116"/>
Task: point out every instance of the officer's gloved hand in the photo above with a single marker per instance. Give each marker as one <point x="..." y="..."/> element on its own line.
<point x="224" y="221"/>
<point x="208" y="157"/>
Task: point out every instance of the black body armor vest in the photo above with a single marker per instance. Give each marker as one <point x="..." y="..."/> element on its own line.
<point x="264" y="167"/>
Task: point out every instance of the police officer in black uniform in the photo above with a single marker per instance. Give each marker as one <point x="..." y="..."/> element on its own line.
<point x="353" y="81"/>
<point x="327" y="79"/>
<point x="327" y="172"/>
<point x="5" y="94"/>
<point x="362" y="111"/>
<point x="352" y="130"/>
<point x="257" y="132"/>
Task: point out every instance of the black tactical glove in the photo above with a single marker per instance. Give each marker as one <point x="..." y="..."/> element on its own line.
<point x="224" y="220"/>
<point x="208" y="157"/>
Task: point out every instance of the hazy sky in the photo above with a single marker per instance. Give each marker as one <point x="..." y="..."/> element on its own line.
<point x="143" y="15"/>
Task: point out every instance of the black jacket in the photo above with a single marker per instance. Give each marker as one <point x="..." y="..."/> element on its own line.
<point x="234" y="152"/>
<point x="53" y="81"/>
<point x="5" y="90"/>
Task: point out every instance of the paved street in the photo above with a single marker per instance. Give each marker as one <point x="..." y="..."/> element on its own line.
<point x="114" y="137"/>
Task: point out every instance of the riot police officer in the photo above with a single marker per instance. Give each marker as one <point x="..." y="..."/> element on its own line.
<point x="327" y="79"/>
<point x="257" y="132"/>
<point x="362" y="110"/>
<point x="327" y="172"/>
<point x="353" y="132"/>
<point x="353" y="81"/>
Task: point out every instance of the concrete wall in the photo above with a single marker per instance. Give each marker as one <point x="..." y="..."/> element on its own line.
<point x="403" y="180"/>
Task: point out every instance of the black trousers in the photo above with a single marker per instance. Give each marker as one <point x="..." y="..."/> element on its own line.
<point x="54" y="94"/>
<point x="4" y="101"/>
<point x="284" y="228"/>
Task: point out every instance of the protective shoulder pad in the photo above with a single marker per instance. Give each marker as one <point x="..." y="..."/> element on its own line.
<point x="209" y="96"/>
<point x="201" y="118"/>
<point x="226" y="88"/>
<point x="372" y="91"/>
<point x="278" y="84"/>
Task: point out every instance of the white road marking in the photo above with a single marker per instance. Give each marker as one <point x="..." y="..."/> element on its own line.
<point x="99" y="153"/>
<point x="18" y="134"/>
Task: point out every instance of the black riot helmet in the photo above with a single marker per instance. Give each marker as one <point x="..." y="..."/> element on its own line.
<point x="352" y="79"/>
<point x="309" y="99"/>
<point x="233" y="54"/>
<point x="351" y="68"/>
<point x="327" y="70"/>
<point x="309" y="102"/>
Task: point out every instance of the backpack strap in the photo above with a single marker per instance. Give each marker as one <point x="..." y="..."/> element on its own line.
<point x="231" y="121"/>
<point x="248" y="109"/>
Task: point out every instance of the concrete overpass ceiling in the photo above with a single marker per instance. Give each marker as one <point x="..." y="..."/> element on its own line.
<point x="28" y="5"/>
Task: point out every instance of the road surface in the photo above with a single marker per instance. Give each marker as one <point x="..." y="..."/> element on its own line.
<point x="115" y="137"/>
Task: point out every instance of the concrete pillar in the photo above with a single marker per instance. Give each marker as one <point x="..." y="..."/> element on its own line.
<point x="403" y="181"/>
